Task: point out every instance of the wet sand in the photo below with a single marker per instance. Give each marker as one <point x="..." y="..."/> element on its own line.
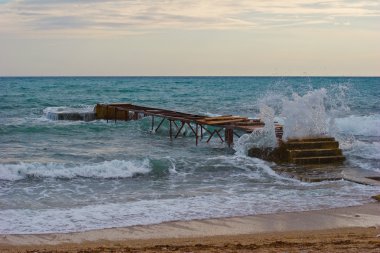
<point x="350" y="229"/>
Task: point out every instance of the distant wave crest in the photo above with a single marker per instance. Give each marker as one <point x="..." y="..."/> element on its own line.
<point x="360" y="125"/>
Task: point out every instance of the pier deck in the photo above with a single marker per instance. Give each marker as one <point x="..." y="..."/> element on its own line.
<point x="198" y="124"/>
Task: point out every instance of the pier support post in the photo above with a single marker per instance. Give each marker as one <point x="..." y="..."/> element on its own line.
<point x="115" y="112"/>
<point x="179" y="130"/>
<point x="196" y="134"/>
<point x="160" y="124"/>
<point x="107" y="113"/>
<point x="170" y="129"/>
<point x="229" y="136"/>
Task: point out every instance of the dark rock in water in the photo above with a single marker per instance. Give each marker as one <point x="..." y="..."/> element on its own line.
<point x="75" y="116"/>
<point x="376" y="197"/>
<point x="278" y="155"/>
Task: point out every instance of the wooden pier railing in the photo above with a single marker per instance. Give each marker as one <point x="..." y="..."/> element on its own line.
<point x="198" y="124"/>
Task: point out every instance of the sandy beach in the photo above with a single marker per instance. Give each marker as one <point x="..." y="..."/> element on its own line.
<point x="349" y="229"/>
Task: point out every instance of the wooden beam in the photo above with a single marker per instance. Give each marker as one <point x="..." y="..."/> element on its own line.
<point x="223" y="122"/>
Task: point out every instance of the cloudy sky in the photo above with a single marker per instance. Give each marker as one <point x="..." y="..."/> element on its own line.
<point x="189" y="37"/>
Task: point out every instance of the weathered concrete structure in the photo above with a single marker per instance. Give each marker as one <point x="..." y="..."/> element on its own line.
<point x="319" y="150"/>
<point x="306" y="151"/>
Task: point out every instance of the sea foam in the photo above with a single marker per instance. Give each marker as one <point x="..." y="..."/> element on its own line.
<point x="107" y="169"/>
<point x="153" y="211"/>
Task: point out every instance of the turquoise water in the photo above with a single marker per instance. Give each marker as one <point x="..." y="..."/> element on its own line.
<point x="59" y="176"/>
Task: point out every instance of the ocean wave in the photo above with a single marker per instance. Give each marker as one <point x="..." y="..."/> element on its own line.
<point x="367" y="125"/>
<point x="365" y="155"/>
<point x="366" y="150"/>
<point x="144" y="212"/>
<point x="107" y="169"/>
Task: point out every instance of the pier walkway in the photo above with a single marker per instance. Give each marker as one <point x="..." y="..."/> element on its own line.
<point x="224" y="127"/>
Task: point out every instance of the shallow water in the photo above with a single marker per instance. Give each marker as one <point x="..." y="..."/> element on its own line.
<point x="59" y="176"/>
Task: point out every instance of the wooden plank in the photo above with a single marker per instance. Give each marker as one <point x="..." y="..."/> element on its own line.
<point x="248" y="129"/>
<point x="220" y="117"/>
<point x="250" y="123"/>
<point x="120" y="104"/>
<point x="222" y="122"/>
<point x="225" y="118"/>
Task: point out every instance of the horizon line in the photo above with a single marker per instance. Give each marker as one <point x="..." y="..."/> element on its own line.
<point x="63" y="76"/>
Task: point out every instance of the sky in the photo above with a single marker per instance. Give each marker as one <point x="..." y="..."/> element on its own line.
<point x="189" y="37"/>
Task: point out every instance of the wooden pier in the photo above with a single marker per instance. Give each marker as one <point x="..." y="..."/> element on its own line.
<point x="224" y="127"/>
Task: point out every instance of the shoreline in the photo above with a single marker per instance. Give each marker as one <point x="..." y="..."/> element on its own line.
<point x="337" y="221"/>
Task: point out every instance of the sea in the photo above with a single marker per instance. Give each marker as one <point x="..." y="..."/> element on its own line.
<point x="64" y="176"/>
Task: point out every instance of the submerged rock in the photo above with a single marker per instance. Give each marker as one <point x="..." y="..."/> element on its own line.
<point x="84" y="116"/>
<point x="74" y="114"/>
<point x="376" y="197"/>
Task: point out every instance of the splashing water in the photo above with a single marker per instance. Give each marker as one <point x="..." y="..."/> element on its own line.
<point x="261" y="138"/>
<point x="310" y="115"/>
<point x="306" y="115"/>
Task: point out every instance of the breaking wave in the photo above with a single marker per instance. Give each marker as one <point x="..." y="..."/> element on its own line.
<point x="107" y="169"/>
<point x="153" y="211"/>
<point x="302" y="116"/>
<point x="306" y="115"/>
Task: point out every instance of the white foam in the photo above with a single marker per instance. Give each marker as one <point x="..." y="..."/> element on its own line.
<point x="305" y="115"/>
<point x="107" y="169"/>
<point x="367" y="150"/>
<point x="252" y="167"/>
<point x="365" y="155"/>
<point x="79" y="109"/>
<point x="262" y="137"/>
<point x="301" y="116"/>
<point x="317" y="113"/>
<point x="142" y="212"/>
